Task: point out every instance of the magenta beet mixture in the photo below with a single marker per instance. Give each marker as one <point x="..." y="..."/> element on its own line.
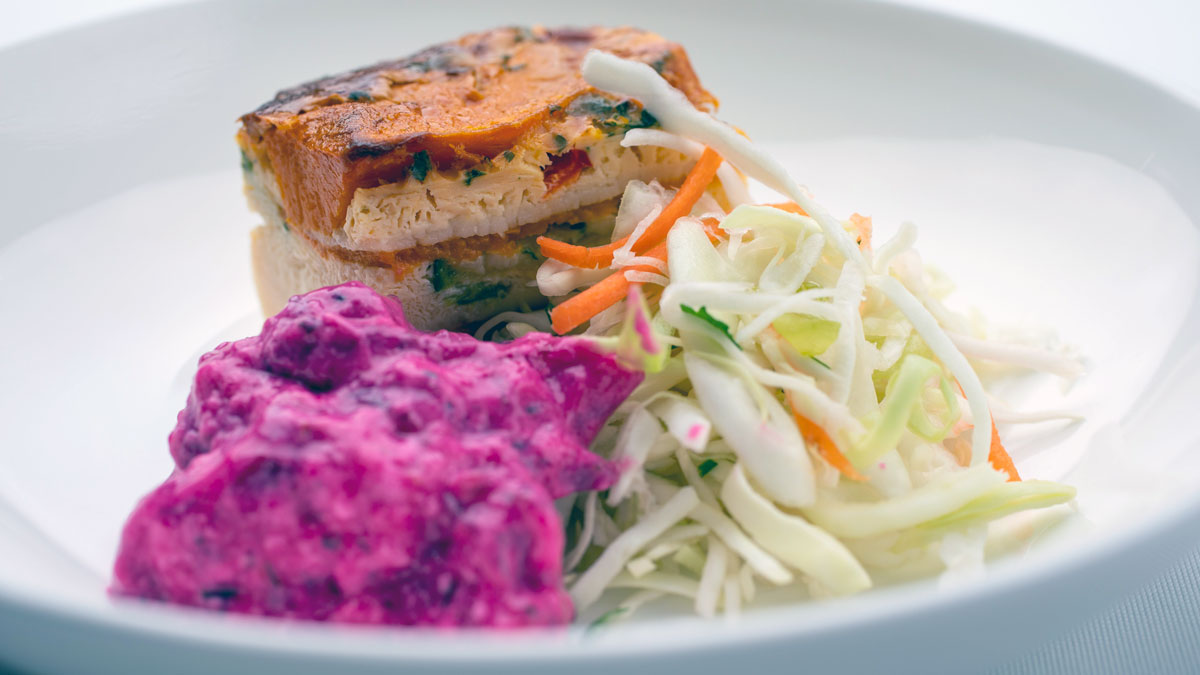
<point x="343" y="466"/>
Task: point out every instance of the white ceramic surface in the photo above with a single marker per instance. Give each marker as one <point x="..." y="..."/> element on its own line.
<point x="1052" y="188"/>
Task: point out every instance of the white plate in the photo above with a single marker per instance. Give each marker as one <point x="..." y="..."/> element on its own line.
<point x="1053" y="188"/>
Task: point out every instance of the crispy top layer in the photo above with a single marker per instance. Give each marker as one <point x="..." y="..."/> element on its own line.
<point x="460" y="103"/>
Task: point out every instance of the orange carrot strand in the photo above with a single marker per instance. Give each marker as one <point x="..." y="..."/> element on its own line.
<point x="680" y="205"/>
<point x="574" y="311"/>
<point x="790" y="207"/>
<point x="826" y="447"/>
<point x="999" y="458"/>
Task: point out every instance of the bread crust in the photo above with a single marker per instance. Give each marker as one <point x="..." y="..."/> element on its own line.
<point x="461" y="103"/>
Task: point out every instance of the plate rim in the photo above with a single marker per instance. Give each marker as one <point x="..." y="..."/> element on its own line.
<point x="169" y="623"/>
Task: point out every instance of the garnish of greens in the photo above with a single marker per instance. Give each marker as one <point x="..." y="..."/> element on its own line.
<point x="711" y="320"/>
<point x="806" y="417"/>
<point x="612" y="116"/>
<point x="471" y="175"/>
<point x="445" y="279"/>
<point x="420" y="166"/>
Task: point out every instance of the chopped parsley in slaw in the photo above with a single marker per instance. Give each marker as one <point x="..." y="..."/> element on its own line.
<point x="811" y="412"/>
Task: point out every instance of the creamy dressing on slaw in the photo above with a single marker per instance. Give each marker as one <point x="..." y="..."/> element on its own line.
<point x="944" y="502"/>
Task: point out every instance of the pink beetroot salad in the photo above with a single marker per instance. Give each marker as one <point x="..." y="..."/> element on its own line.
<point x="343" y="466"/>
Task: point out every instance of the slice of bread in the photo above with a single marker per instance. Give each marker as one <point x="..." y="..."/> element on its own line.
<point x="445" y="289"/>
<point x="428" y="178"/>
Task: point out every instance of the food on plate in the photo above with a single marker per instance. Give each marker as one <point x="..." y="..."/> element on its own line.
<point x="813" y="414"/>
<point x="344" y="466"/>
<point x="429" y="177"/>
<point x="726" y="397"/>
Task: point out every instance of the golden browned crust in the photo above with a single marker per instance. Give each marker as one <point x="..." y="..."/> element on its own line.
<point x="461" y="102"/>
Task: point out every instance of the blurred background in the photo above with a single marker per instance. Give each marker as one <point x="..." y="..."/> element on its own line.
<point x="1155" y="38"/>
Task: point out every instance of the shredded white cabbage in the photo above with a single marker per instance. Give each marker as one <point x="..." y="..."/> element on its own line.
<point x="623" y="255"/>
<point x="732" y="597"/>
<point x="766" y="441"/>
<point x="950" y="491"/>
<point x="1024" y="356"/>
<point x="805" y="425"/>
<point x="730" y="535"/>
<point x="637" y="437"/>
<point x="903" y="240"/>
<point x="712" y="578"/>
<point x="575" y="555"/>
<point x="684" y="420"/>
<point x="659" y="582"/>
<point x="801" y="545"/>
<point x="591" y="583"/>
<point x="1003" y="414"/>
<point x="538" y="320"/>
<point x="731" y="182"/>
<point x="555" y="279"/>
<point x="648" y="261"/>
<point x="638" y="200"/>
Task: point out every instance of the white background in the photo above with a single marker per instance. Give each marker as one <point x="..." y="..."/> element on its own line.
<point x="1159" y="39"/>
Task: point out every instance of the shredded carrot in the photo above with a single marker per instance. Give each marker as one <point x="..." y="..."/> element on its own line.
<point x="999" y="458"/>
<point x="862" y="224"/>
<point x="826" y="447"/>
<point x="572" y="312"/>
<point x="689" y="193"/>
<point x="790" y="207"/>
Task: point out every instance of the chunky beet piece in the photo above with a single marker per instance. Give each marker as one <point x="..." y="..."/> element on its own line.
<point x="343" y="466"/>
<point x="345" y="347"/>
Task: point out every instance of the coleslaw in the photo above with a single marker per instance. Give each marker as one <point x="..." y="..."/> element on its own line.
<point x="812" y="413"/>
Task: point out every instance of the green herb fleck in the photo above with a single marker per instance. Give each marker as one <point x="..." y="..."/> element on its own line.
<point x="608" y="617"/>
<point x="820" y="363"/>
<point x="507" y="67"/>
<point x="247" y="163"/>
<point x="612" y="116"/>
<point x="509" y="156"/>
<point x="420" y="166"/>
<point x="359" y="96"/>
<point x="711" y="320"/>
<point x="553" y="108"/>
<point x="560" y="142"/>
<point x="660" y="63"/>
<point x="286" y="227"/>
<point x="441" y="275"/>
<point x="471" y="175"/>
<point x="574" y="525"/>
<point x="572" y="233"/>
<point x="522" y="34"/>
<point x="481" y="291"/>
<point x="445" y="60"/>
<point x="533" y="255"/>
<point x="706" y="466"/>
